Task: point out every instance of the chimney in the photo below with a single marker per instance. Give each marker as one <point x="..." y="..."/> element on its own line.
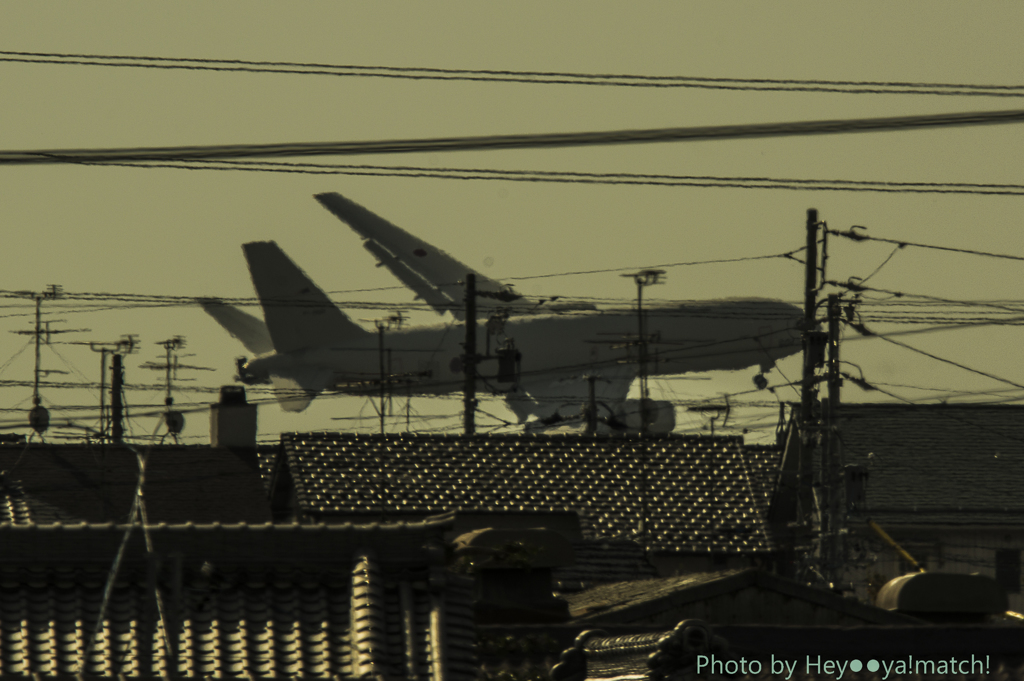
<point x="233" y="420"/>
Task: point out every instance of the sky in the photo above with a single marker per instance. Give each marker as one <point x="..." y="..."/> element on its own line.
<point x="177" y="232"/>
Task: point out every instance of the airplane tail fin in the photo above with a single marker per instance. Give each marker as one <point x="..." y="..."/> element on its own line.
<point x="241" y="325"/>
<point x="298" y="314"/>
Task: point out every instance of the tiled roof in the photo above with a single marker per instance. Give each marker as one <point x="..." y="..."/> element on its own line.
<point x="656" y="656"/>
<point x="68" y="483"/>
<point x="700" y="496"/>
<point x="764" y="462"/>
<point x="603" y="561"/>
<point x="748" y="596"/>
<point x="267" y="456"/>
<point x="256" y="601"/>
<point x="18" y="507"/>
<point x="938" y="463"/>
<point x="692" y="651"/>
<point x="396" y="543"/>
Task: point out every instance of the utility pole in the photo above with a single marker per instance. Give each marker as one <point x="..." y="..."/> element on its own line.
<point x="806" y="499"/>
<point x="116" y="401"/>
<point x="469" y="361"/>
<point x="127" y="343"/>
<point x="643" y="278"/>
<point x="507" y="356"/>
<point x="381" y="326"/>
<point x="103" y="388"/>
<point x="810" y="303"/>
<point x="830" y="467"/>
<point x="125" y="346"/>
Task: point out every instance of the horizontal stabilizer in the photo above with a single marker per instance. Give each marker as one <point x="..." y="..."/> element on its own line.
<point x="298" y="314"/>
<point x="241" y="325"/>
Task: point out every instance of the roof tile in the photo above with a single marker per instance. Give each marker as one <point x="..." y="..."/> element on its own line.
<point x="600" y="478"/>
<point x="938" y="463"/>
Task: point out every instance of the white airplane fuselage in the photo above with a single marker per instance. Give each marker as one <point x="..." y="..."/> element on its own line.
<point x="690" y="337"/>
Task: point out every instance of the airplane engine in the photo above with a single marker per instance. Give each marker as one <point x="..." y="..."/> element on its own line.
<point x="661" y="415"/>
<point x="246" y="376"/>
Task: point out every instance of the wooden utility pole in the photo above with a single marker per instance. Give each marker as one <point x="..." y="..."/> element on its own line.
<point x="643" y="278"/>
<point x="808" y="387"/>
<point x="810" y="303"/>
<point x="116" y="403"/>
<point x="469" y="358"/>
<point x="831" y="497"/>
<point x="381" y="326"/>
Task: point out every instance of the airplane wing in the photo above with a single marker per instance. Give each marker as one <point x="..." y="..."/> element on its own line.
<point x="241" y="325"/>
<point x="433" y="275"/>
<point x="439" y="269"/>
<point x="436" y="298"/>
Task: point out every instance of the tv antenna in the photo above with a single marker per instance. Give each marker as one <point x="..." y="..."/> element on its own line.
<point x="39" y="416"/>
<point x="384" y="325"/>
<point x="174" y="419"/>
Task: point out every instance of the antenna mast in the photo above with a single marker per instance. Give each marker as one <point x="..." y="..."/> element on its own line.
<point x="174" y="419"/>
<point x="39" y="416"/>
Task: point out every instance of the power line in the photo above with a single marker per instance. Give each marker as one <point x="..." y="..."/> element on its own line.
<point x="509" y="76"/>
<point x="788" y="254"/>
<point x="572" y="177"/>
<point x="949" y="361"/>
<point x="860" y="236"/>
<point x="855" y="286"/>
<point x="495" y="142"/>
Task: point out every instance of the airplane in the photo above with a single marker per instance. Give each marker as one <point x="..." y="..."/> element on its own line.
<point x="563" y="354"/>
<point x="432" y="274"/>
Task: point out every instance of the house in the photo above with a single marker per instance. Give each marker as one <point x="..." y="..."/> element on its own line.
<point x="96" y="483"/>
<point x="688" y="503"/>
<point x="943" y="480"/>
<point x="238" y="600"/>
